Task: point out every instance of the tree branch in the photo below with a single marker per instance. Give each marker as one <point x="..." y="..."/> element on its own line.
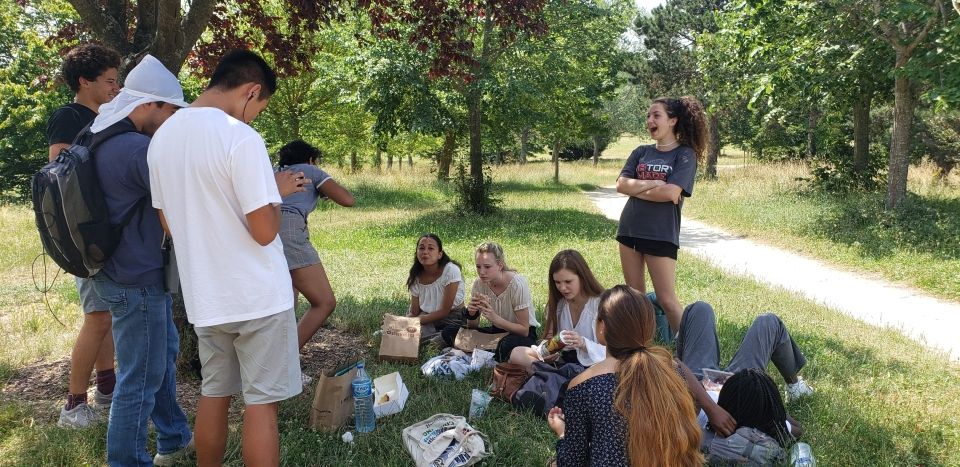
<point x="107" y="28"/>
<point x="194" y="23"/>
<point x="146" y="25"/>
<point x="923" y="34"/>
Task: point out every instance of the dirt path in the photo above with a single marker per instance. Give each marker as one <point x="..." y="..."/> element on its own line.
<point x="42" y="385"/>
<point x="931" y="321"/>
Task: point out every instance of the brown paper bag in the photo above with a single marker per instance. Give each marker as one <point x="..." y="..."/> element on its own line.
<point x="400" y="340"/>
<point x="469" y="339"/>
<point x="332" y="400"/>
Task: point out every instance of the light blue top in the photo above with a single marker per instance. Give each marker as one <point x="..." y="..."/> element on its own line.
<point x="304" y="202"/>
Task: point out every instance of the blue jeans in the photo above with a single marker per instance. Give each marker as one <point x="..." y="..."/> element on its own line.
<point x="147" y="344"/>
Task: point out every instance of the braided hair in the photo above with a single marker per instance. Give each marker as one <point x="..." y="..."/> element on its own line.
<point x="752" y="399"/>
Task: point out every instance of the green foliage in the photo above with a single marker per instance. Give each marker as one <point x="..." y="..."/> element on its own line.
<point x="472" y="195"/>
<point x="882" y="399"/>
<point x="28" y="94"/>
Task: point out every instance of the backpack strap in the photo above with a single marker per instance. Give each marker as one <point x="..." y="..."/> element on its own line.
<point x="92" y="140"/>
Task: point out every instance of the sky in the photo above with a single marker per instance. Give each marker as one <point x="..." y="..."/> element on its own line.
<point x="648" y="4"/>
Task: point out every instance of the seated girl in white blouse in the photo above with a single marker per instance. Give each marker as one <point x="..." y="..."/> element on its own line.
<point x="571" y="312"/>
<point x="436" y="288"/>
<point x="502" y="297"/>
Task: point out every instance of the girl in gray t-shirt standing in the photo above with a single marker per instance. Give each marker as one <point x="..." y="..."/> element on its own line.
<point x="306" y="270"/>
<point x="656" y="178"/>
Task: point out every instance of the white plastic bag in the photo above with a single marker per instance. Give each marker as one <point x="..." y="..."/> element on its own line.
<point x="481" y="359"/>
<point x="445" y="440"/>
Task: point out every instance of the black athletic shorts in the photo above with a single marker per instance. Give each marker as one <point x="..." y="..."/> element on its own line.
<point x="649" y="247"/>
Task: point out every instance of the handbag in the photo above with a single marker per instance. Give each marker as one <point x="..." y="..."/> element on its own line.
<point x="445" y="440"/>
<point x="507" y="379"/>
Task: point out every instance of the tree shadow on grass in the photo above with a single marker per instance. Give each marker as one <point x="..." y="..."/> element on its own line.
<point x="375" y="197"/>
<point x="509" y="225"/>
<point x="921" y="224"/>
<point x="532" y="187"/>
<point x="847" y="427"/>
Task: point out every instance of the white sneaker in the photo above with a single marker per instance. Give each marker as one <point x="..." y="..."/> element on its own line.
<point x="80" y="416"/>
<point x="798" y="390"/>
<point x="176" y="457"/>
<point x="102" y="401"/>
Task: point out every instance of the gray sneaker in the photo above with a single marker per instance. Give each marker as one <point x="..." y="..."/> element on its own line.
<point x="80" y="416"/>
<point x="102" y="401"/>
<point x="176" y="457"/>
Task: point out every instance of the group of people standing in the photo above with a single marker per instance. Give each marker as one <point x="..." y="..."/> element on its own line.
<point x="200" y="175"/>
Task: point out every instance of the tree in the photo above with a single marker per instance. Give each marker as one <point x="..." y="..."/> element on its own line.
<point x="28" y="92"/>
<point x="670" y="36"/>
<point x="906" y="29"/>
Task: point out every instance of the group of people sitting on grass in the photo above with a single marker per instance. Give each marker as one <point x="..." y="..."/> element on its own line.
<point x="632" y="401"/>
<point x="198" y="174"/>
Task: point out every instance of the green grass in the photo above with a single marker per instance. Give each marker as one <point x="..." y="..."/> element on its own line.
<point x="918" y="246"/>
<point x="881" y="398"/>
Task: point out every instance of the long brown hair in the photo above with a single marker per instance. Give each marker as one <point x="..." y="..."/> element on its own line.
<point x="662" y="426"/>
<point x="691" y="128"/>
<point x="572" y="261"/>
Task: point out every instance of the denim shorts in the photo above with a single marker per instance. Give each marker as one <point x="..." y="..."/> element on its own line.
<point x="89" y="300"/>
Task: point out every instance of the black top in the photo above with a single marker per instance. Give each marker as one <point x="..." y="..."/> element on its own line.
<point x="595" y="433"/>
<point x="67" y="121"/>
<point x="657" y="220"/>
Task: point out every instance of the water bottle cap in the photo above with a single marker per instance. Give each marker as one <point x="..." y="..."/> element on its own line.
<point x="360" y="365"/>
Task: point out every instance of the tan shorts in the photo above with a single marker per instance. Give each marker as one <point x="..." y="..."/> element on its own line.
<point x="259" y="357"/>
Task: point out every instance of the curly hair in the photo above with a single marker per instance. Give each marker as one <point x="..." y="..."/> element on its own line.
<point x="691" y="129"/>
<point x="298" y="151"/>
<point x="87" y="61"/>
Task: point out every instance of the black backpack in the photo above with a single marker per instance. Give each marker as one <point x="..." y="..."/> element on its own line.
<point x="71" y="210"/>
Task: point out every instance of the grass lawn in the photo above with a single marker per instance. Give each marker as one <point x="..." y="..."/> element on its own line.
<point x="881" y="399"/>
<point x="919" y="246"/>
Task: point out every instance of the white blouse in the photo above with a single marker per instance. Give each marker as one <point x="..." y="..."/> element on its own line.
<point x="587" y="328"/>
<point x="515" y="297"/>
<point x="431" y="295"/>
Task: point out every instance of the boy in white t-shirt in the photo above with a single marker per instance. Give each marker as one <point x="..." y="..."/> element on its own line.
<point x="218" y="197"/>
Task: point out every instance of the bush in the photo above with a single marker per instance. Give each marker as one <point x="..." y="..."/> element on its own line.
<point x="472" y="195"/>
<point x="583" y="149"/>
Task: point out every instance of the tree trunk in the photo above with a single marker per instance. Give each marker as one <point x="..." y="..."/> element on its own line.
<point x="354" y="163"/>
<point x="378" y="157"/>
<point x="445" y="159"/>
<point x="813" y="116"/>
<point x="899" y="163"/>
<point x="161" y="30"/>
<point x="524" y="141"/>
<point x="389" y="161"/>
<point x="713" y="152"/>
<point x="409" y="161"/>
<point x="556" y="161"/>
<point x="474" y="121"/>
<point x="861" y="134"/>
<point x="596" y="150"/>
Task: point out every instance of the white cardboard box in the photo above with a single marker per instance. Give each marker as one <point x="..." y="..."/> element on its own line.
<point x="398" y="398"/>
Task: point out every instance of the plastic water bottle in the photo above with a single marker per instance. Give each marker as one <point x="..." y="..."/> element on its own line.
<point x="801" y="455"/>
<point x="366" y="420"/>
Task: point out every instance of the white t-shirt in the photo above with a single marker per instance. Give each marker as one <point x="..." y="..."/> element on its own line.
<point x="207" y="171"/>
<point x="515" y="297"/>
<point x="431" y="295"/>
<point x="586" y="327"/>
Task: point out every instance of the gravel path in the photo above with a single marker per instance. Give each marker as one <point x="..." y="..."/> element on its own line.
<point x="931" y="321"/>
